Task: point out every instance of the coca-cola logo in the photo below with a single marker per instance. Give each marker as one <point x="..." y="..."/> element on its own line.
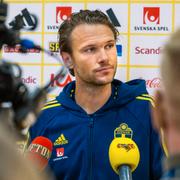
<point x="153" y="83"/>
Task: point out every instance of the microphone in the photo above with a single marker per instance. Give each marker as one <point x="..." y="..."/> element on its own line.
<point x="29" y="44"/>
<point x="124" y="157"/>
<point x="39" y="152"/>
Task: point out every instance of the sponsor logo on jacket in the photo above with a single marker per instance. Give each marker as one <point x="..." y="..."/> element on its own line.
<point x="61" y="140"/>
<point x="60" y="154"/>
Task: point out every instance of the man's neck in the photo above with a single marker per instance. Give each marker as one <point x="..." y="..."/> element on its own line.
<point x="91" y="98"/>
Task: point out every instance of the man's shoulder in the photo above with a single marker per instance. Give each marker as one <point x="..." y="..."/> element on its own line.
<point x="133" y="92"/>
<point x="140" y="108"/>
<point x="141" y="102"/>
<point x="51" y="106"/>
<point x="49" y="110"/>
<point x="47" y="114"/>
<point x="145" y="98"/>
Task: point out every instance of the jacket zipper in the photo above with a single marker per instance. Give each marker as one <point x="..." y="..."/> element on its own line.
<point x="91" y="124"/>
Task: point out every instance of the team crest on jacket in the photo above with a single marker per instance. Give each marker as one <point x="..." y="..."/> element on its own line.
<point x="61" y="140"/>
<point x="123" y="131"/>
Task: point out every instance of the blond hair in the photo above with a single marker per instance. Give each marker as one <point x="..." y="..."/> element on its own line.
<point x="170" y="67"/>
<point x="170" y="71"/>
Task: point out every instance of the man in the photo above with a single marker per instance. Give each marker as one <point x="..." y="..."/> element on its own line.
<point x="94" y="109"/>
<point x="167" y="111"/>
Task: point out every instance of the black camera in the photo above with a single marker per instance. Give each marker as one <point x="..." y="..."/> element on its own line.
<point x="12" y="89"/>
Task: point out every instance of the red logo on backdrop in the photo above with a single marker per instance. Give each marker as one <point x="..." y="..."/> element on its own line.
<point x="62" y="13"/>
<point x="59" y="82"/>
<point x="151" y="15"/>
<point x="153" y="83"/>
<point x="60" y="152"/>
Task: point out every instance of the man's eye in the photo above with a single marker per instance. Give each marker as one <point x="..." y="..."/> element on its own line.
<point x="109" y="46"/>
<point x="89" y="50"/>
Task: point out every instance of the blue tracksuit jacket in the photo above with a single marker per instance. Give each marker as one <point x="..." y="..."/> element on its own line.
<point x="81" y="141"/>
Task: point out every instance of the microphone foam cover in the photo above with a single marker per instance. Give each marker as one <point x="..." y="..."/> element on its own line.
<point x="39" y="151"/>
<point x="123" y="151"/>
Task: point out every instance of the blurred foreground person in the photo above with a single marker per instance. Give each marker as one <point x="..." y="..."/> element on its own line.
<point x="167" y="111"/>
<point x="13" y="165"/>
<point x="96" y="108"/>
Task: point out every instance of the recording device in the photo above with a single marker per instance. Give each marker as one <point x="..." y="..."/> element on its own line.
<point x="14" y="93"/>
<point x="124" y="157"/>
<point x="39" y="152"/>
<point x="11" y="36"/>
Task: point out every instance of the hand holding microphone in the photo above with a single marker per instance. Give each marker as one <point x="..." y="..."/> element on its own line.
<point x="124" y="156"/>
<point x="39" y="152"/>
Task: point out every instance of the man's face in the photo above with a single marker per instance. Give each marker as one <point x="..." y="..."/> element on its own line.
<point x="94" y="54"/>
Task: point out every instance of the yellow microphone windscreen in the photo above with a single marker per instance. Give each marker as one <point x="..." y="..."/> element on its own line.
<point x="123" y="151"/>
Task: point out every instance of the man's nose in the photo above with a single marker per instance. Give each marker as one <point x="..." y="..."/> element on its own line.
<point x="103" y="56"/>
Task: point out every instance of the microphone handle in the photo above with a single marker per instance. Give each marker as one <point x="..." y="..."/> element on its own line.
<point x="125" y="172"/>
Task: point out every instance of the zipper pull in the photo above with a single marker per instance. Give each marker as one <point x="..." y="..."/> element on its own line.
<point x="91" y="122"/>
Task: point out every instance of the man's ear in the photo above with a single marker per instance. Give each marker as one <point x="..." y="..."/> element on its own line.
<point x="159" y="111"/>
<point x="67" y="60"/>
